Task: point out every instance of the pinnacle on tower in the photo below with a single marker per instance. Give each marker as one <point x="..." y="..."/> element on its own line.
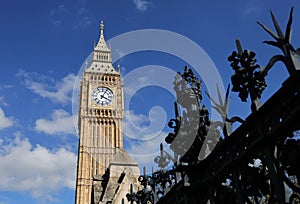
<point x="102" y="59"/>
<point x="101" y="27"/>
<point x="101" y="45"/>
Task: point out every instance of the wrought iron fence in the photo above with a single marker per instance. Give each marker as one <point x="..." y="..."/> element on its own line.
<point x="256" y="163"/>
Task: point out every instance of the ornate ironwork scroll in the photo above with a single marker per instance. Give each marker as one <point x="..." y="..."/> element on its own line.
<point x="258" y="162"/>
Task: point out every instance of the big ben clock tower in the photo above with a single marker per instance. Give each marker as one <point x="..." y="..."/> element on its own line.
<point x="101" y="113"/>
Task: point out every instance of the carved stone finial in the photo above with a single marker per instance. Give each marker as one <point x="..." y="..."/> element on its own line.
<point x="101" y="27"/>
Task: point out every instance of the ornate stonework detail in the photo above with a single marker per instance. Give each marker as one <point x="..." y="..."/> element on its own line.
<point x="101" y="113"/>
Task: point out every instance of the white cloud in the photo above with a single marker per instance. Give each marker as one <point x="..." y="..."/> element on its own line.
<point x="83" y="22"/>
<point x="60" y="9"/>
<point x="37" y="170"/>
<point x="79" y="17"/>
<point x="83" y="18"/>
<point x="144" y="139"/>
<point x="58" y="15"/>
<point x="137" y="119"/>
<point x="6" y="86"/>
<point x="251" y="8"/>
<point x="132" y="86"/>
<point x="141" y="5"/>
<point x="46" y="87"/>
<point x="4" y="199"/>
<point x="60" y="122"/>
<point x="5" y="122"/>
<point x="141" y="127"/>
<point x="145" y="151"/>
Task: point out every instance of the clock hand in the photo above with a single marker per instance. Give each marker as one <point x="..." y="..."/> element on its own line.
<point x="105" y="91"/>
<point x="102" y="96"/>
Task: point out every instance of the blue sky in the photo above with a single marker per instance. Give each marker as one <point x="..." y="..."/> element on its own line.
<point x="43" y="45"/>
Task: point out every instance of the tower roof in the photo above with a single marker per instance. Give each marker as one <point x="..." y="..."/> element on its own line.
<point x="122" y="158"/>
<point x="101" y="45"/>
<point x="102" y="61"/>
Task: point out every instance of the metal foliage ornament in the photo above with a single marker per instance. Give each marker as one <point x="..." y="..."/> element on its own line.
<point x="247" y="79"/>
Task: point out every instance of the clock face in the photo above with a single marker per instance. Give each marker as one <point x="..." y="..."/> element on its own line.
<point x="103" y="96"/>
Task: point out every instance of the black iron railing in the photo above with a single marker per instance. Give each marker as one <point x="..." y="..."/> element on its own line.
<point x="256" y="163"/>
